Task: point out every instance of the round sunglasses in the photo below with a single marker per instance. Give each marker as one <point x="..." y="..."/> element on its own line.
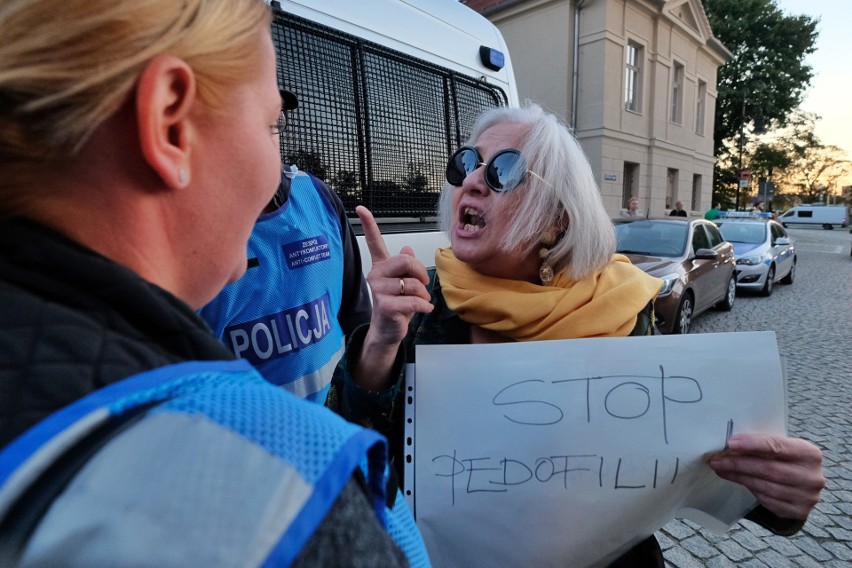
<point x="504" y="171"/>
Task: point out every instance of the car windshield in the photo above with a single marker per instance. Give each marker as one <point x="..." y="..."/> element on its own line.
<point x="736" y="232"/>
<point x="652" y="238"/>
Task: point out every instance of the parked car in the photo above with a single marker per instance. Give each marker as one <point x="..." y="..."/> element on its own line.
<point x="694" y="261"/>
<point x="764" y="252"/>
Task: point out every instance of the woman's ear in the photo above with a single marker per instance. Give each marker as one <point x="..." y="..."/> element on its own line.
<point x="555" y="233"/>
<point x="165" y="95"/>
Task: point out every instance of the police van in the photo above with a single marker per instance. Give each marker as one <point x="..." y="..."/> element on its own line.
<point x="387" y="90"/>
<point x="825" y="215"/>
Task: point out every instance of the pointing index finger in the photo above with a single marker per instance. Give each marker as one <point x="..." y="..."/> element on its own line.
<point x="372" y="235"/>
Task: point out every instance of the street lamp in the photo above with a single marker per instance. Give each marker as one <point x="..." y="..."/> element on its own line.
<point x="759" y="128"/>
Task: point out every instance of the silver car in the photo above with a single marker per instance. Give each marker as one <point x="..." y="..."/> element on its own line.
<point x="764" y="252"/>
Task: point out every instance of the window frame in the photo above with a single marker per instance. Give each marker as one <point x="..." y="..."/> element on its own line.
<point x="701" y="107"/>
<point x="678" y="74"/>
<point x="633" y="76"/>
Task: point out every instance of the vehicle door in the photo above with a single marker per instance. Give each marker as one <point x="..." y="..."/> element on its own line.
<point x="725" y="263"/>
<point x="783" y="253"/>
<point x="702" y="274"/>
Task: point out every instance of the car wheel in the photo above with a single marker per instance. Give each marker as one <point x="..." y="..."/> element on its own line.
<point x="683" y="319"/>
<point x="790" y="275"/>
<point x="827" y="226"/>
<point x="770" y="282"/>
<point x="730" y="295"/>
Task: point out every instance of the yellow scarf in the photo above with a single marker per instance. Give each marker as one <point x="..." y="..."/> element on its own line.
<point x="603" y="305"/>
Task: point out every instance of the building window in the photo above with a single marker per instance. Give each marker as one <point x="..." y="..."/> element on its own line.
<point x="677" y="94"/>
<point x="633" y="77"/>
<point x="671" y="187"/>
<point x="699" y="108"/>
<point x="696" y="191"/>
<point x="631" y="183"/>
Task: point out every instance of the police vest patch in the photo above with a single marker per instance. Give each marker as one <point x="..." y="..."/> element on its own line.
<point x="308" y="251"/>
<point x="277" y="334"/>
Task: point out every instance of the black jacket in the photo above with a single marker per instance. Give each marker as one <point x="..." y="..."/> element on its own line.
<point x="73" y="321"/>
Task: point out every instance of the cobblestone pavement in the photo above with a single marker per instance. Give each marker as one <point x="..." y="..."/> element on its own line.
<point x="813" y="322"/>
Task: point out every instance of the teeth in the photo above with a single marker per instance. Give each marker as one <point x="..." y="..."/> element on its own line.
<point x="473" y="217"/>
<point x="471" y="228"/>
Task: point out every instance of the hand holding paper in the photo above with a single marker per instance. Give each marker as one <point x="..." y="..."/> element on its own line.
<point x="784" y="474"/>
<point x="558" y="453"/>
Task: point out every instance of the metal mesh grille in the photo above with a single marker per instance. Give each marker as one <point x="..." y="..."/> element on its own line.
<point x="376" y="124"/>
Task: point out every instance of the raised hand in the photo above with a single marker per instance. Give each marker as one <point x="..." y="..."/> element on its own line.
<point x="398" y="287"/>
<point x="784" y="474"/>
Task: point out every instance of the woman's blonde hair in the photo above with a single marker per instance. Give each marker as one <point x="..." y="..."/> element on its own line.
<point x="563" y="195"/>
<point x="66" y="67"/>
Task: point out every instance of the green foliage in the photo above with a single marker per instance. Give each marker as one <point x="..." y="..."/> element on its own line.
<point x="768" y="71"/>
<point x="767" y="76"/>
<point x="767" y="159"/>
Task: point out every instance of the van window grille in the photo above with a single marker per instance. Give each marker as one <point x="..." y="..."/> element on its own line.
<point x="376" y="124"/>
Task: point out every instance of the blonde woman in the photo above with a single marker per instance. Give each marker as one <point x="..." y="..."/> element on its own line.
<point x="632" y="208"/>
<point x="139" y="143"/>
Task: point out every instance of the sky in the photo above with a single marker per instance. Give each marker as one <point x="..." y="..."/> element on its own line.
<point x="831" y="88"/>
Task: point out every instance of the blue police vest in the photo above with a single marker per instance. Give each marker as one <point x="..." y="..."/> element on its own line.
<point x="185" y="479"/>
<point x="282" y="314"/>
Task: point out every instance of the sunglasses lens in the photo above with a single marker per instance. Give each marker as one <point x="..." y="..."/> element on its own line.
<point x="463" y="162"/>
<point x="505" y="171"/>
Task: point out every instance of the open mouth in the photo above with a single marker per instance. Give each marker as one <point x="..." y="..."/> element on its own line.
<point x="472" y="220"/>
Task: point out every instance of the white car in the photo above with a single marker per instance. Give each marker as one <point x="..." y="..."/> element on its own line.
<point x="764" y="252"/>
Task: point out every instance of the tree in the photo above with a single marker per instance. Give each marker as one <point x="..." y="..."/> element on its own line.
<point x="800" y="165"/>
<point x="767" y="77"/>
<point x="816" y="173"/>
<point x="309" y="161"/>
<point x="346" y="182"/>
<point x="414" y="179"/>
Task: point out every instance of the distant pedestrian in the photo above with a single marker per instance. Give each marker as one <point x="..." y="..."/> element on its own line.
<point x="713" y="213"/>
<point x="632" y="208"/>
<point x="678" y="210"/>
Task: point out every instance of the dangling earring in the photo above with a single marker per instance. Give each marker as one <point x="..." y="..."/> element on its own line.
<point x="545" y="273"/>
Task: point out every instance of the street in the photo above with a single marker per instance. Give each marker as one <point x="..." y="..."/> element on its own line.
<point x="813" y="322"/>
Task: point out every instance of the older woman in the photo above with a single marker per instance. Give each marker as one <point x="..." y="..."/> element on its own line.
<point x="139" y="143"/>
<point x="532" y="258"/>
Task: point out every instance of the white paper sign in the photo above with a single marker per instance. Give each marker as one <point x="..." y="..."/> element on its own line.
<point x="567" y="453"/>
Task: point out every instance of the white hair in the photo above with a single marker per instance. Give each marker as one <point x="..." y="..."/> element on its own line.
<point x="566" y="199"/>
